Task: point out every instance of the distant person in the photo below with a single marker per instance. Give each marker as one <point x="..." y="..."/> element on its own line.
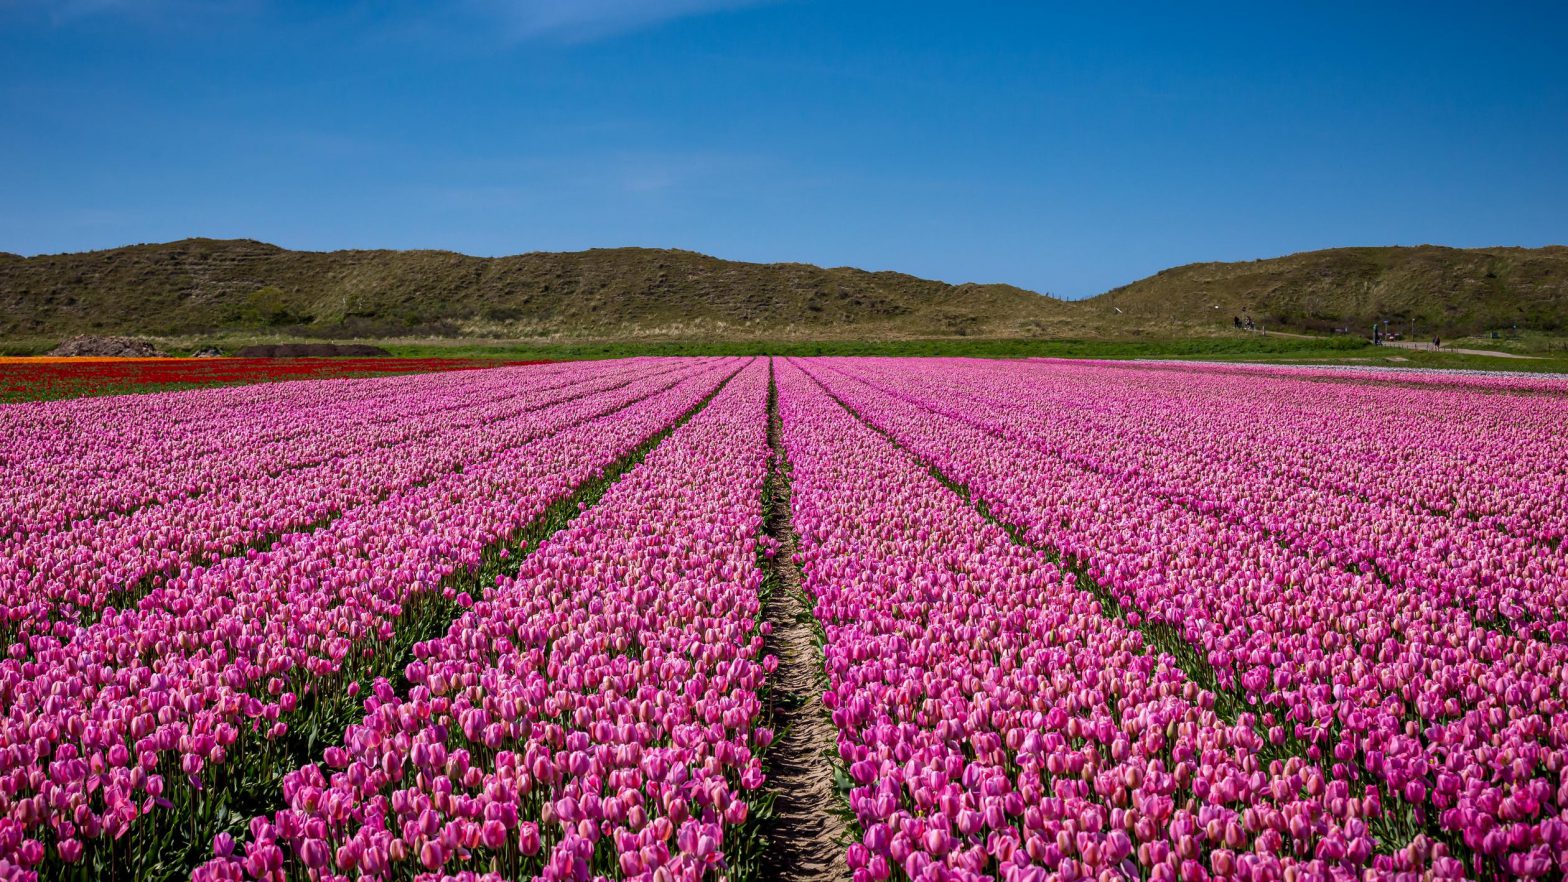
<point x="1436" y="343"/>
<point x="1237" y="320"/>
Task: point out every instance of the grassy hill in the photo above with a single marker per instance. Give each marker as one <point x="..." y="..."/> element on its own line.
<point x="1446" y="290"/>
<point x="214" y="286"/>
<point x="239" y="288"/>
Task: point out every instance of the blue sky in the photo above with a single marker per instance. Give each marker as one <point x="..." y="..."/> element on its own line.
<point x="1067" y="148"/>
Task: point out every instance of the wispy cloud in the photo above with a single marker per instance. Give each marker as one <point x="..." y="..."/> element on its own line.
<point x="587" y="20"/>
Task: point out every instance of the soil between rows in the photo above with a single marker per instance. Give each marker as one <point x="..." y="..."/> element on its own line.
<point x="807" y="832"/>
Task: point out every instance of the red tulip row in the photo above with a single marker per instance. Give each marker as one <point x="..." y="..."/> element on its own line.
<point x="39" y="379"/>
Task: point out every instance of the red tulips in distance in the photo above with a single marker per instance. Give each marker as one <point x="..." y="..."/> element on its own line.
<point x="1078" y="620"/>
<point x="42" y="378"/>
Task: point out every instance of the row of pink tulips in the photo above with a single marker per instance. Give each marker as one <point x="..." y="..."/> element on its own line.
<point x="1387" y="479"/>
<point x="1321" y="471"/>
<point x="51" y="579"/>
<point x="1460" y="729"/>
<point x="123" y="452"/>
<point x="995" y="723"/>
<point x="98" y="730"/>
<point x="1481" y="380"/>
<point x="1375" y="480"/>
<point x="593" y="716"/>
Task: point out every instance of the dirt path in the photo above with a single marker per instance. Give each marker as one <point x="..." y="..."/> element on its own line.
<point x="1416" y="344"/>
<point x="807" y="835"/>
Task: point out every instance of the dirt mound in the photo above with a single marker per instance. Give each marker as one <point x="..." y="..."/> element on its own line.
<point x="314" y="350"/>
<point x="106" y="347"/>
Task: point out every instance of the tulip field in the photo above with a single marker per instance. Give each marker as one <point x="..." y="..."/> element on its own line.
<point x="1068" y="620"/>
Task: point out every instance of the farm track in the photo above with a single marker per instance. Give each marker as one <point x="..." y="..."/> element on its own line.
<point x="186" y="836"/>
<point x="807" y="832"/>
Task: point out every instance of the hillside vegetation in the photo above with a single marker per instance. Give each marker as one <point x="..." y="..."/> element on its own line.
<point x="242" y="287"/>
<point x="204" y="285"/>
<point x="1448" y="290"/>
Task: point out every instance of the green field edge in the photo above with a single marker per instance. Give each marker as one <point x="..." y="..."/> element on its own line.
<point x="1549" y="356"/>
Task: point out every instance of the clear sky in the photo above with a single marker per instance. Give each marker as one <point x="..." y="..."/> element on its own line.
<point x="1067" y="148"/>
